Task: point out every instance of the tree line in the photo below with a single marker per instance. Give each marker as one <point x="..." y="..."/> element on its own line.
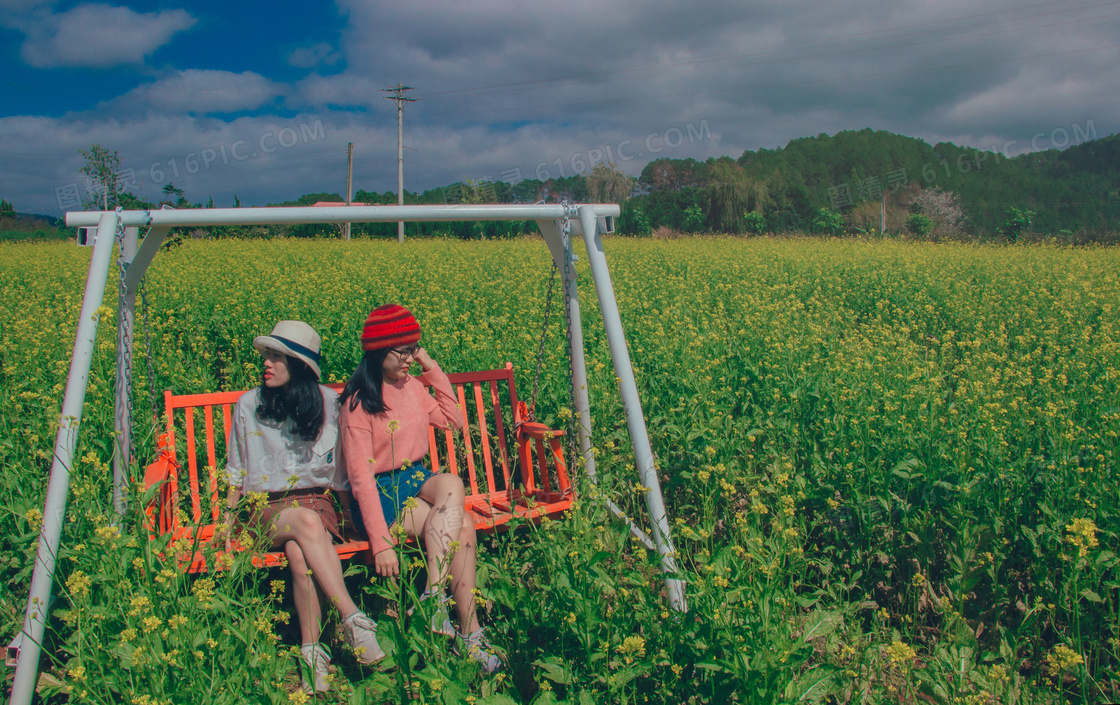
<point x="855" y="182"/>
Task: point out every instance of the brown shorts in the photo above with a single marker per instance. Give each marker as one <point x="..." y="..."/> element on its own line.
<point x="316" y="499"/>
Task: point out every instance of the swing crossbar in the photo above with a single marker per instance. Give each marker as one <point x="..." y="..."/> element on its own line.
<point x="187" y="506"/>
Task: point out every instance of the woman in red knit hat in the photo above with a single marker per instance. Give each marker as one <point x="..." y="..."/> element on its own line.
<point x="383" y="440"/>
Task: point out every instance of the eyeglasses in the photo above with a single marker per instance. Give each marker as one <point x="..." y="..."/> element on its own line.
<point x="406" y="352"/>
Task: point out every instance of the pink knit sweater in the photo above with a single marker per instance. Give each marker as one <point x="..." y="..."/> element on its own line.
<point x="369" y="444"/>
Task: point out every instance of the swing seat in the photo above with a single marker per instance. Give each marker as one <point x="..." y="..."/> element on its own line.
<point x="186" y="505"/>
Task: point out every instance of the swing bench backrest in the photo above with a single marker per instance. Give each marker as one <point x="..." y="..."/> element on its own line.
<point x="189" y="503"/>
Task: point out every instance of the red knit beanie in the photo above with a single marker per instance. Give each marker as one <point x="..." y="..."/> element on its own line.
<point x="389" y="326"/>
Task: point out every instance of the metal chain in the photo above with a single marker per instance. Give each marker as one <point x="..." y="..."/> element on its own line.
<point x="122" y="267"/>
<point x="143" y="289"/>
<point x="532" y="415"/>
<point x="566" y="236"/>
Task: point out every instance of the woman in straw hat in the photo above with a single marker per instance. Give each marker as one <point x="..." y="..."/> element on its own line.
<point x="282" y="450"/>
<point x="383" y="427"/>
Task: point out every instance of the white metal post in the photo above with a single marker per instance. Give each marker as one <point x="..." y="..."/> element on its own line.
<point x="42" y="577"/>
<point x="562" y="252"/>
<point x="122" y="414"/>
<point x="632" y="405"/>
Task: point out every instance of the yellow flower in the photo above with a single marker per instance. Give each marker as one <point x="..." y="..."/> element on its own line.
<point x="1082" y="533"/>
<point x="298" y="697"/>
<point x="139" y="604"/>
<point x="1062" y="659"/>
<point x="78" y="584"/>
<point x="900" y="652"/>
<point x="633" y="646"/>
<point x="34" y="518"/>
<point x="152" y="623"/>
<point x="108" y="533"/>
<point x="203" y="589"/>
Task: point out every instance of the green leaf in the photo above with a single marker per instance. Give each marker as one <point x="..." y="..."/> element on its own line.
<point x="820" y="623"/>
<point x="812" y="687"/>
<point x="1090" y="595"/>
<point x="554" y="671"/>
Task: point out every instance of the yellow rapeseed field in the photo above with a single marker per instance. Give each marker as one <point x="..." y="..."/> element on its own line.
<point x="891" y="469"/>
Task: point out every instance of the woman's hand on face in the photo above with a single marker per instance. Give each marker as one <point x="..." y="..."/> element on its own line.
<point x="386" y="563"/>
<point x="424" y="359"/>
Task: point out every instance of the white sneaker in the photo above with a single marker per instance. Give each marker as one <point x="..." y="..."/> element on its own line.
<point x="361" y="634"/>
<point x="478" y="648"/>
<point x="314" y="660"/>
<point x="441" y="619"/>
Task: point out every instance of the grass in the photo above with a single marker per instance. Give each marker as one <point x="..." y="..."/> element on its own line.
<point x="891" y="470"/>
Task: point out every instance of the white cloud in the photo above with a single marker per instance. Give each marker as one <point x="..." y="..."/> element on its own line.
<point x="321" y="54"/>
<point x="199" y="92"/>
<point x="99" y="36"/>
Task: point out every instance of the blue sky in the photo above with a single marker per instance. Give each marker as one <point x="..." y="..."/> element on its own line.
<point x="227" y="99"/>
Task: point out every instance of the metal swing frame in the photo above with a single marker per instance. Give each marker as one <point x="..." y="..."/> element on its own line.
<point x="558" y="224"/>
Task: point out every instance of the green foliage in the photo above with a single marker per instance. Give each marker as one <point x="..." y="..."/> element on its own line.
<point x="731" y="194"/>
<point x="828" y="222"/>
<point x="633" y="220"/>
<point x="890" y="470"/>
<point x="919" y="224"/>
<point x="1017" y="221"/>
<point x="7" y="210"/>
<point x="693" y="219"/>
<point x="754" y="223"/>
<point x="607" y="184"/>
<point x="102" y="167"/>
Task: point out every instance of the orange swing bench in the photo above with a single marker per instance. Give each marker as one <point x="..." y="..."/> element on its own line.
<point x="495" y="495"/>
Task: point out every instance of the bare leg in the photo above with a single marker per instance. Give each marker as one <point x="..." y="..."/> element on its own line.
<point x="305" y="593"/>
<point x="304" y="527"/>
<point x="444" y="522"/>
<point x="463" y="579"/>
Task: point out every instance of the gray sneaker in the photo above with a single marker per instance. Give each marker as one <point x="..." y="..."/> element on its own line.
<point x="478" y="648"/>
<point x="314" y="661"/>
<point x="361" y="634"/>
<point x="441" y="619"/>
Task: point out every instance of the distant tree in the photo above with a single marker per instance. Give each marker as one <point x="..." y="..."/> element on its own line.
<point x="1016" y="222"/>
<point x="731" y="194"/>
<point x="693" y="219"/>
<point x="7" y="210"/>
<point x="827" y="222"/>
<point x="607" y="184"/>
<point x="103" y="168"/>
<point x="633" y="220"/>
<point x="672" y="175"/>
<point x="174" y="196"/>
<point x="754" y="223"/>
<point x="943" y="208"/>
<point x="919" y="224"/>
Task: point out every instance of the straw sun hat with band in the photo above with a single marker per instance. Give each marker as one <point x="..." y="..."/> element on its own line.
<point x="295" y="339"/>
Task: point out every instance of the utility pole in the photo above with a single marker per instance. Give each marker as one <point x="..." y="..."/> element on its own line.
<point x="398" y="96"/>
<point x="349" y="185"/>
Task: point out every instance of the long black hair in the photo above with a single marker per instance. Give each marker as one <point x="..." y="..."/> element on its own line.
<point x="364" y="386"/>
<point x="298" y="400"/>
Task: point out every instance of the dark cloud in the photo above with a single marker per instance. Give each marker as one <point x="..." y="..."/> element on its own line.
<point x="515" y="88"/>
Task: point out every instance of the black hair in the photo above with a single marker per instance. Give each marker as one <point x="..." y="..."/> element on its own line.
<point x="299" y="400"/>
<point x="364" y="386"/>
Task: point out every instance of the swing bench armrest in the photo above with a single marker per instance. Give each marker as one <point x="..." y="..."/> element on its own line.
<point x="538" y="431"/>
